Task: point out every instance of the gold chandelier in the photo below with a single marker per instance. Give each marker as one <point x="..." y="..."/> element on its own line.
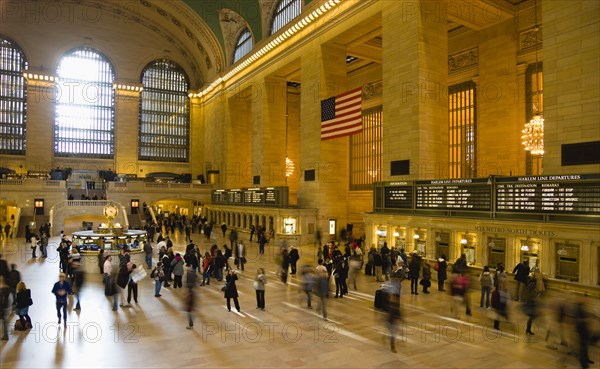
<point x="289" y="167"/>
<point x="533" y="136"/>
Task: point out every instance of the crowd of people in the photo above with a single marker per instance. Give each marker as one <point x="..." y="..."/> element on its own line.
<point x="338" y="267"/>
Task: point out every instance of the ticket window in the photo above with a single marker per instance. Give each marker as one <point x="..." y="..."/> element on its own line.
<point x="381" y="236"/>
<point x="530" y="249"/>
<point x="399" y="238"/>
<point x="442" y="244"/>
<point x="567" y="261"/>
<point x="420" y="247"/>
<point x="289" y="225"/>
<point x="467" y="243"/>
<point x="496" y="251"/>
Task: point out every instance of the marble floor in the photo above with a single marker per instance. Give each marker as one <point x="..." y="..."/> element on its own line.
<point x="285" y="335"/>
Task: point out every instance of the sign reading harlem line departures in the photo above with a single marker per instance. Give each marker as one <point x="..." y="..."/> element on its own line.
<point x="454" y="194"/>
<point x="268" y="196"/>
<point x="567" y="194"/>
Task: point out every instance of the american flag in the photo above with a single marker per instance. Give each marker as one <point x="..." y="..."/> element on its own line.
<point x="341" y="115"/>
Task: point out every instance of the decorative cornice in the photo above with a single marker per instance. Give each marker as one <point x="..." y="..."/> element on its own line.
<point x="372" y="90"/>
<point x="39" y="79"/>
<point x="530" y="38"/>
<point x="463" y="60"/>
<point x="128" y="89"/>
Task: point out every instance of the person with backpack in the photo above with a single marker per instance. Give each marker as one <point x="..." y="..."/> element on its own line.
<point x="486" y="281"/>
<point x="460" y="265"/>
<point x="23" y="302"/>
<point x="177" y="267"/>
<point x="441" y="267"/>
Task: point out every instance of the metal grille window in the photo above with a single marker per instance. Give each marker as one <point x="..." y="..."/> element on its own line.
<point x="366" y="151"/>
<point x="85" y="108"/>
<point x="164" y="113"/>
<point x="462" y="100"/>
<point x="534" y="103"/>
<point x="13" y="97"/>
<point x="243" y="45"/>
<point x="286" y="11"/>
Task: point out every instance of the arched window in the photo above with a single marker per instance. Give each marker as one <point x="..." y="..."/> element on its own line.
<point x="286" y="11"/>
<point x="13" y="96"/>
<point x="164" y="113"/>
<point x="243" y="45"/>
<point x="85" y="107"/>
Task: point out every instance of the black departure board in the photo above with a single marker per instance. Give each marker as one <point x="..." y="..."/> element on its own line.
<point x="398" y="195"/>
<point x="454" y="194"/>
<point x="560" y="194"/>
<point x="270" y="196"/>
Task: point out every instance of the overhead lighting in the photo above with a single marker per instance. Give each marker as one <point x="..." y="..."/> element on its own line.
<point x="524" y="248"/>
<point x="416" y="236"/>
<point x="396" y="234"/>
<point x="464" y="241"/>
<point x="533" y="136"/>
<point x="289" y="167"/>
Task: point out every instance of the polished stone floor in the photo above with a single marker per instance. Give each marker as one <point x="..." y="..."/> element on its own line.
<point x="286" y="335"/>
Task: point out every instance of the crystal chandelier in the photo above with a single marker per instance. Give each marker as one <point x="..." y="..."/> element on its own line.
<point x="533" y="135"/>
<point x="289" y="167"/>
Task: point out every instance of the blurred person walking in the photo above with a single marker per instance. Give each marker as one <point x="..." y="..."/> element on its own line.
<point x="486" y="281"/>
<point x="23" y="302"/>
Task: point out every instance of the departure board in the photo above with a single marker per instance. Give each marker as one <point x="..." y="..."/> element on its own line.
<point x="560" y="194"/>
<point x="398" y="195"/>
<point x="270" y="196"/>
<point x="454" y="194"/>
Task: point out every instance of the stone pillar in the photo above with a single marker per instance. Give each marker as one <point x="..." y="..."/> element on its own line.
<point x="571" y="81"/>
<point x="329" y="158"/>
<point x="127" y="106"/>
<point x="269" y="128"/>
<point x="500" y="108"/>
<point x="415" y="75"/>
<point x="41" y="97"/>
<point x="238" y="137"/>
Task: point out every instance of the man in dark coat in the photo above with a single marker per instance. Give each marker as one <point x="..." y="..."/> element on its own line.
<point x="521" y="272"/>
<point x="294" y="257"/>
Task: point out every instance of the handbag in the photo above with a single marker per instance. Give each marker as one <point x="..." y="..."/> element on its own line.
<point x="255" y="285"/>
<point x="224" y="288"/>
<point x="436" y="266"/>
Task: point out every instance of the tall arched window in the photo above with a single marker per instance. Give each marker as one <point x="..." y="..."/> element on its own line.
<point x="13" y="96"/>
<point x="164" y="113"/>
<point x="285" y="11"/>
<point x="243" y="45"/>
<point x="85" y="108"/>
